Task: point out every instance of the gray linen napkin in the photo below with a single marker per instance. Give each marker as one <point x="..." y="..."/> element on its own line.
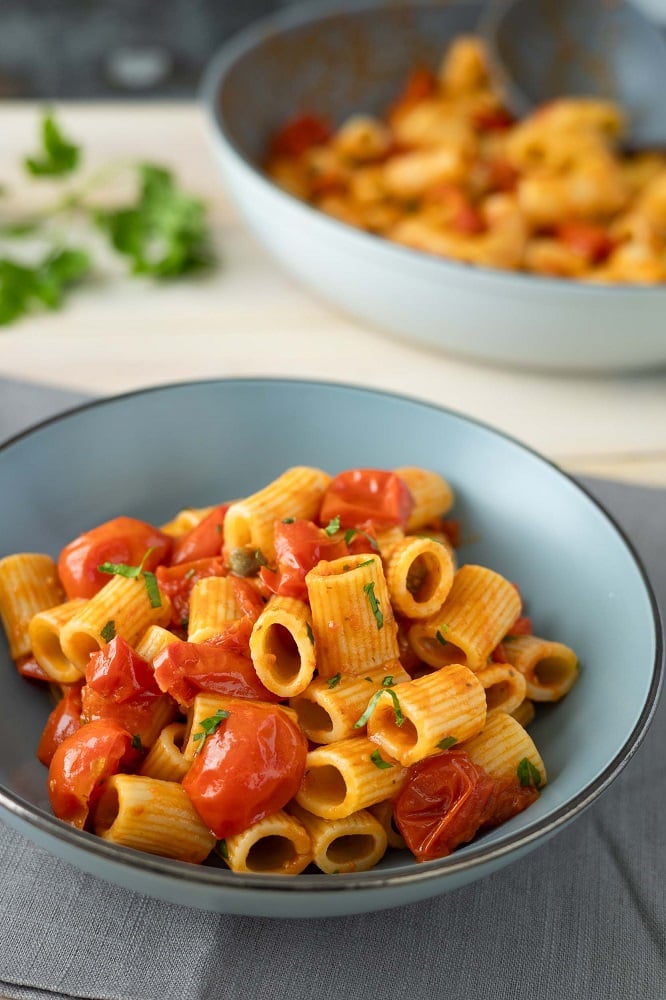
<point x="582" y="918"/>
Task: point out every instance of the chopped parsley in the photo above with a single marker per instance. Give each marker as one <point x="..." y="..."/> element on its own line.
<point x="369" y="589"/>
<point x="368" y="562"/>
<point x="334" y="681"/>
<point x="209" y="726"/>
<point x="352" y="532"/>
<point x="379" y="761"/>
<point x="333" y="526"/>
<point x="136" y="742"/>
<point x="372" y="704"/>
<point x="132" y="573"/>
<point x="440" y="637"/>
<point x="109" y="631"/>
<point x="260" y="558"/>
<point x="308" y="629"/>
<point x="222" y="850"/>
<point x="529" y="776"/>
<point x="447" y="742"/>
<point x="387" y="681"/>
<point x="288" y="520"/>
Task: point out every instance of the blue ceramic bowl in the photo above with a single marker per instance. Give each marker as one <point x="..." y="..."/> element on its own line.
<point x="149" y="453"/>
<point x="337" y="60"/>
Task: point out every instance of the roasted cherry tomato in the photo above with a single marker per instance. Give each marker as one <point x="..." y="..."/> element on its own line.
<point x="203" y="541"/>
<point x="177" y="582"/>
<point x="117" y="672"/>
<point x="81" y="764"/>
<point x="360" y="495"/>
<point x="299" y="135"/>
<point x="28" y="667"/>
<point x="421" y="84"/>
<point x="587" y="239"/>
<point x="299" y="545"/>
<point x="221" y="665"/>
<point x="248" y="768"/>
<point x="64" y="720"/>
<point x="442" y="804"/>
<point x="122" y="540"/>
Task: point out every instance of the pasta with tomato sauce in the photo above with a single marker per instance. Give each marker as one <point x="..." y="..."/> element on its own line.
<point x="301" y="677"/>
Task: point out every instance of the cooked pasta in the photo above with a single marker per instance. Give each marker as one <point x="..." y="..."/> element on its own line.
<point x="280" y="683"/>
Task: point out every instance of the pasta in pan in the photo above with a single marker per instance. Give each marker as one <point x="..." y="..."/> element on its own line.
<point x="317" y="685"/>
<point x="447" y="170"/>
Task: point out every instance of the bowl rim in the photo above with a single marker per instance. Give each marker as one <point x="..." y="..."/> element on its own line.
<point x="304" y="13"/>
<point x="25" y="814"/>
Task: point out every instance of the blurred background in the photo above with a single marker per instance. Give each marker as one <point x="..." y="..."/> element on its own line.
<point x="114" y="49"/>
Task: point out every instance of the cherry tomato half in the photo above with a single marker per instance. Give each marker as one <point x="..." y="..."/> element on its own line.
<point x="589" y="240"/>
<point x="359" y="495"/>
<point x="203" y="541"/>
<point x="64" y="720"/>
<point x="122" y="540"/>
<point x="117" y="672"/>
<point x="81" y="764"/>
<point x="298" y="135"/>
<point x="442" y="804"/>
<point x="221" y="665"/>
<point x="177" y="582"/>
<point x="250" y="767"/>
<point x="299" y="545"/>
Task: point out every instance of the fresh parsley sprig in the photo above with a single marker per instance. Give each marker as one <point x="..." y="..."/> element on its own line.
<point x="132" y="573"/>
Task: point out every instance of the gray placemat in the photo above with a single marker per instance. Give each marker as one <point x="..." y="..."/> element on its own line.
<point x="582" y="918"/>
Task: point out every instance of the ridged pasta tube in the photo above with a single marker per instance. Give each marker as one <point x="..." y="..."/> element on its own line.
<point x="501" y="748"/>
<point x="504" y="686"/>
<point x="154" y="640"/>
<point x="125" y="602"/>
<point x="28" y="584"/>
<point x="165" y="759"/>
<point x="475" y="617"/>
<point x="419" y="575"/>
<point x="383" y="813"/>
<point x="154" y="816"/>
<point x="296" y="493"/>
<point x="352" y="618"/>
<point x="282" y="646"/>
<point x="278" y="844"/>
<point x="431" y="493"/>
<point x="347" y="776"/>
<point x="328" y="709"/>
<point x="185" y="520"/>
<point x="410" y="723"/>
<point x="355" y="843"/>
<point x="550" y="668"/>
<point x="44" y="633"/>
<point x="213" y="604"/>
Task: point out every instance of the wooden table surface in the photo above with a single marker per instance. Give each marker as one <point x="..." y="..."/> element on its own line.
<point x="248" y="318"/>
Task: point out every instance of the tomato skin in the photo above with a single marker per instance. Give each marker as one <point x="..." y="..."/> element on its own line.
<point x="299" y="546"/>
<point x="122" y="540"/>
<point x="117" y="672"/>
<point x="587" y="239"/>
<point x="442" y="804"/>
<point x="420" y="84"/>
<point x="359" y="495"/>
<point x="203" y="541"/>
<point x="177" y="582"/>
<point x="80" y="765"/>
<point x="28" y="667"/>
<point x="221" y="665"/>
<point x="64" y="720"/>
<point x="300" y="134"/>
<point x="250" y="767"/>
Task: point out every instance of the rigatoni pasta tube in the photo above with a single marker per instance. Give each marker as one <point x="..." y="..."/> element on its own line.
<point x="550" y="668"/>
<point x="154" y="640"/>
<point x="475" y="617"/>
<point x="328" y="709"/>
<point x="410" y="723"/>
<point x="525" y="713"/>
<point x="28" y="584"/>
<point x="154" y="816"/>
<point x="165" y="759"/>
<point x="123" y="601"/>
<point x="355" y="843"/>
<point x="44" y="633"/>
<point x="347" y="776"/>
<point x="296" y="493"/>
<point x="432" y="495"/>
<point x="278" y="844"/>
<point x="383" y="813"/>
<point x="502" y="747"/>
<point x="185" y="520"/>
<point x="213" y="604"/>
<point x="282" y="646"/>
<point x="504" y="687"/>
<point x="352" y="618"/>
<point x="419" y="575"/>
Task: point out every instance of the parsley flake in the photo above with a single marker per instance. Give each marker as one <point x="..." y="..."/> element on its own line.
<point x="334" y="681"/>
<point x="369" y="589"/>
<point x="367" y="562"/>
<point x="333" y="526"/>
<point x="136" y="742"/>
<point x="372" y="704"/>
<point x="308" y="629"/>
<point x="209" y="726"/>
<point x="132" y="573"/>
<point x="440" y="638"/>
<point x="24" y="289"/>
<point x="528" y="775"/>
<point x="288" y="520"/>
<point x="352" y="532"/>
<point x="379" y="761"/>
<point x="447" y="743"/>
<point x="222" y="850"/>
<point x="58" y="154"/>
<point x="109" y="631"/>
<point x="387" y="681"/>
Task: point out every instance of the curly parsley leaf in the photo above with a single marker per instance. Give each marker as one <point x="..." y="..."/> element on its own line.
<point x="164" y="233"/>
<point x="24" y="289"/>
<point x="58" y="155"/>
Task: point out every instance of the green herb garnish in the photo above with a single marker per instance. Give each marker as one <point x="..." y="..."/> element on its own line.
<point x="22" y="287"/>
<point x="387" y="681"/>
<point x="447" y="742"/>
<point x="440" y="638"/>
<point x="334" y="681"/>
<point x="136" y="742"/>
<point x="352" y="532"/>
<point x="57" y="156"/>
<point x="209" y="726"/>
<point x="379" y="761"/>
<point x="308" y="629"/>
<point x="369" y="589"/>
<point x="333" y="526"/>
<point x="288" y="520"/>
<point x="109" y="631"/>
<point x="222" y="850"/>
<point x="529" y="776"/>
<point x="367" y="562"/>
<point x="132" y="573"/>
<point x="372" y="704"/>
